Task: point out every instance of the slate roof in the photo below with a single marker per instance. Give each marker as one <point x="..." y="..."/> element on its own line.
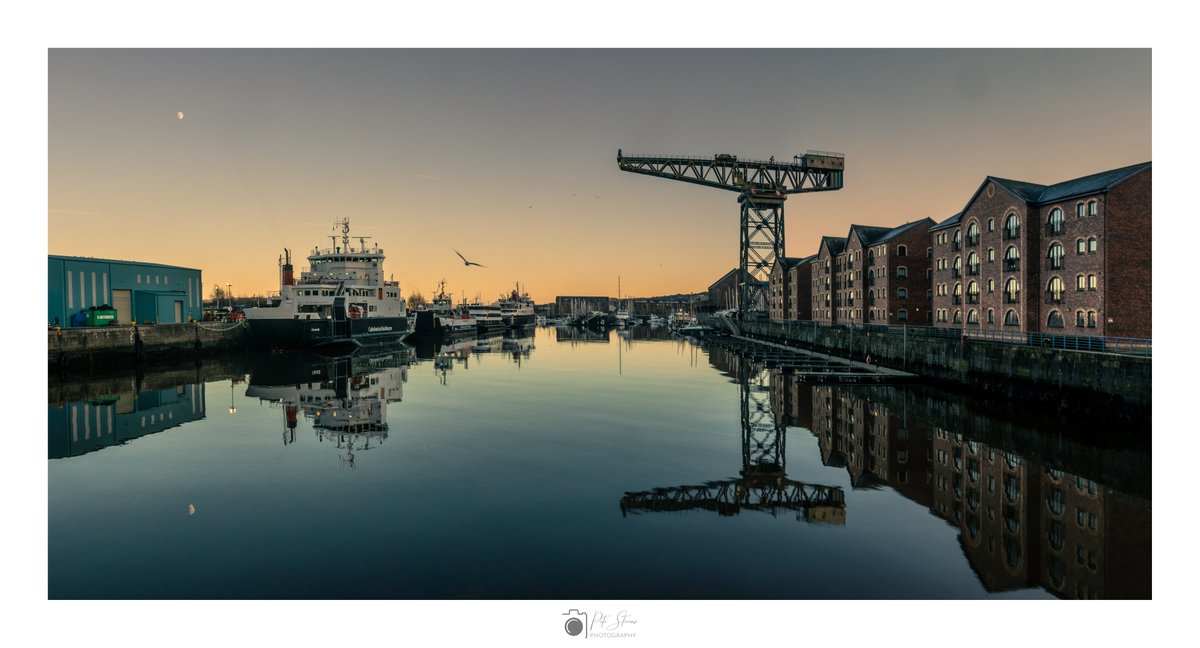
<point x="836" y="245"/>
<point x="867" y="234"/>
<point x="949" y="222"/>
<point x="897" y="231"/>
<point x="1094" y="183"/>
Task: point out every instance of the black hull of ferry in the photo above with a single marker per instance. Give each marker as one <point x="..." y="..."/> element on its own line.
<point x="427" y="326"/>
<point x="323" y="333"/>
<point x="520" y="321"/>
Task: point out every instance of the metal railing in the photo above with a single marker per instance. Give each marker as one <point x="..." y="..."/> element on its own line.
<point x="969" y="333"/>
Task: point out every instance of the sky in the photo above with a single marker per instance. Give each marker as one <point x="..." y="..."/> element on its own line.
<point x="509" y="155"/>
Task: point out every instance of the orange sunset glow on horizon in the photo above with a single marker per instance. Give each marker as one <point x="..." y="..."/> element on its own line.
<point x="220" y="159"/>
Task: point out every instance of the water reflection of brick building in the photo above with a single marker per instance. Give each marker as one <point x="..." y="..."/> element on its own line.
<point x="1021" y="524"/>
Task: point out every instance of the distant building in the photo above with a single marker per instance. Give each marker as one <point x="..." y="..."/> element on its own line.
<point x="897" y="276"/>
<point x="145" y="292"/>
<point x="578" y="305"/>
<point x="723" y="294"/>
<point x="823" y="304"/>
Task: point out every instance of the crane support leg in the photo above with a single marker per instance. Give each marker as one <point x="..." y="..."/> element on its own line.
<point x="761" y="247"/>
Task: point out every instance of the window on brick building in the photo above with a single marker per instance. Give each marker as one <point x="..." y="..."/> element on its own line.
<point x="1011" y="319"/>
<point x="902" y="293"/>
<point x="1091" y="319"/>
<point x="1012" y="226"/>
<point x="1054" y="320"/>
<point x="1079" y="210"/>
<point x="1055" y="221"/>
<point x="928" y="253"/>
<point x="1091" y="245"/>
<point x="973" y="263"/>
<point x="1080" y="319"/>
<point x="957" y="316"/>
<point x="1080" y="246"/>
<point x="972" y="293"/>
<point x="901" y="272"/>
<point x="929" y="294"/>
<point x="991" y="255"/>
<point x="972" y="316"/>
<point x="1054" y="290"/>
<point x="991" y="285"/>
<point x="1091" y="282"/>
<point x="1091" y="208"/>
<point x="973" y="233"/>
<point x="1055" y="254"/>
<point x="902" y="315"/>
<point x="991" y="224"/>
<point x="1080" y="282"/>
<point x="991" y="316"/>
<point x="1012" y="292"/>
<point x="1012" y="258"/>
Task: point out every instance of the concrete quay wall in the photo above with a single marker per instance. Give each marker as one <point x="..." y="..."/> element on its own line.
<point x="122" y="346"/>
<point x="1007" y="369"/>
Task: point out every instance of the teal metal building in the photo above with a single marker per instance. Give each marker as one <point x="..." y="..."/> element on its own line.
<point x="150" y="293"/>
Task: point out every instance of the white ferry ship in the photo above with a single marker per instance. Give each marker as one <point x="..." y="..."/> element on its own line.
<point x="516" y="310"/>
<point x="343" y="299"/>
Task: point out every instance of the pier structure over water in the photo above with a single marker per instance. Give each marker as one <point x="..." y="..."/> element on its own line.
<point x="762" y="187"/>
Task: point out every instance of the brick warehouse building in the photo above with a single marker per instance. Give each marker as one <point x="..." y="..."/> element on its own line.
<point x="790" y="289"/>
<point x="897" y="275"/>
<point x="1071" y="258"/>
<point x="823" y="307"/>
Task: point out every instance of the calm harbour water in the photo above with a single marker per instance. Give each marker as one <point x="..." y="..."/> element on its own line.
<point x="574" y="466"/>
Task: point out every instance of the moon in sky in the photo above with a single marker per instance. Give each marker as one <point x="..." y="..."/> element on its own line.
<point x="179" y="114"/>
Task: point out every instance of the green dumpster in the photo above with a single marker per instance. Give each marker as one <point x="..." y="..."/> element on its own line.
<point x="101" y="316"/>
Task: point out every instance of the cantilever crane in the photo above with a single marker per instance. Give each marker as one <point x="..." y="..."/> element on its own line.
<point x="762" y="186"/>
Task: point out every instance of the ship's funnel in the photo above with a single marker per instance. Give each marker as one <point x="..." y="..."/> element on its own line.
<point x="287" y="278"/>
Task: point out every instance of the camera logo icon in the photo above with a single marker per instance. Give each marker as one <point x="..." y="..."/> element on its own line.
<point x="576" y="623"/>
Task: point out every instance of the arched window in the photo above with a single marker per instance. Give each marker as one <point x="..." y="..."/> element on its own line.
<point x="991" y="316"/>
<point x="902" y="293"/>
<point x="991" y="285"/>
<point x="1080" y="283"/>
<point x="1054" y="320"/>
<point x="1079" y="210"/>
<point x="1080" y="246"/>
<point x="1091" y="282"/>
<point x="973" y="263"/>
<point x="1012" y="291"/>
<point x="871" y="255"/>
<point x="902" y="315"/>
<point x="902" y="250"/>
<point x="1054" y="290"/>
<point x="1091" y="245"/>
<point x="1091" y="208"/>
<point x="1080" y="319"/>
<point x="972" y="316"/>
<point x="957" y="271"/>
<point x="991" y="255"/>
<point x="973" y="233"/>
<point x="1011" y="319"/>
<point x="957" y="239"/>
<point x="1011" y="258"/>
<point x="957" y="316"/>
<point x="991" y="224"/>
<point x="1055" y="254"/>
<point x="957" y="293"/>
<point x="1012" y="226"/>
<point x="901" y="272"/>
<point x="972" y="293"/>
<point x="1055" y="221"/>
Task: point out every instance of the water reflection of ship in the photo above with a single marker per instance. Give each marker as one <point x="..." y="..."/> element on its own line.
<point x="519" y="343"/>
<point x="763" y="484"/>
<point x="345" y="398"/>
<point x="573" y="335"/>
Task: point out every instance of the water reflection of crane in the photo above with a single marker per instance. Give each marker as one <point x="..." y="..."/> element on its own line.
<point x="345" y="398"/>
<point x="763" y="484"/>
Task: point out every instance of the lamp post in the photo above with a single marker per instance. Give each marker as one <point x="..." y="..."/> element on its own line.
<point x="232" y="407"/>
<point x="229" y="294"/>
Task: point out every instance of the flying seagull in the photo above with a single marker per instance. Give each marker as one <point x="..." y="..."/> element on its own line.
<point x="468" y="263"/>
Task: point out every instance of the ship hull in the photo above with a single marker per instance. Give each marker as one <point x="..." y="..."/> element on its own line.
<point x="520" y="321"/>
<point x="428" y="326"/>
<point x="317" y="333"/>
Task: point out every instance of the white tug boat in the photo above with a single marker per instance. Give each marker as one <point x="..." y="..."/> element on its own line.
<point x="342" y="299"/>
